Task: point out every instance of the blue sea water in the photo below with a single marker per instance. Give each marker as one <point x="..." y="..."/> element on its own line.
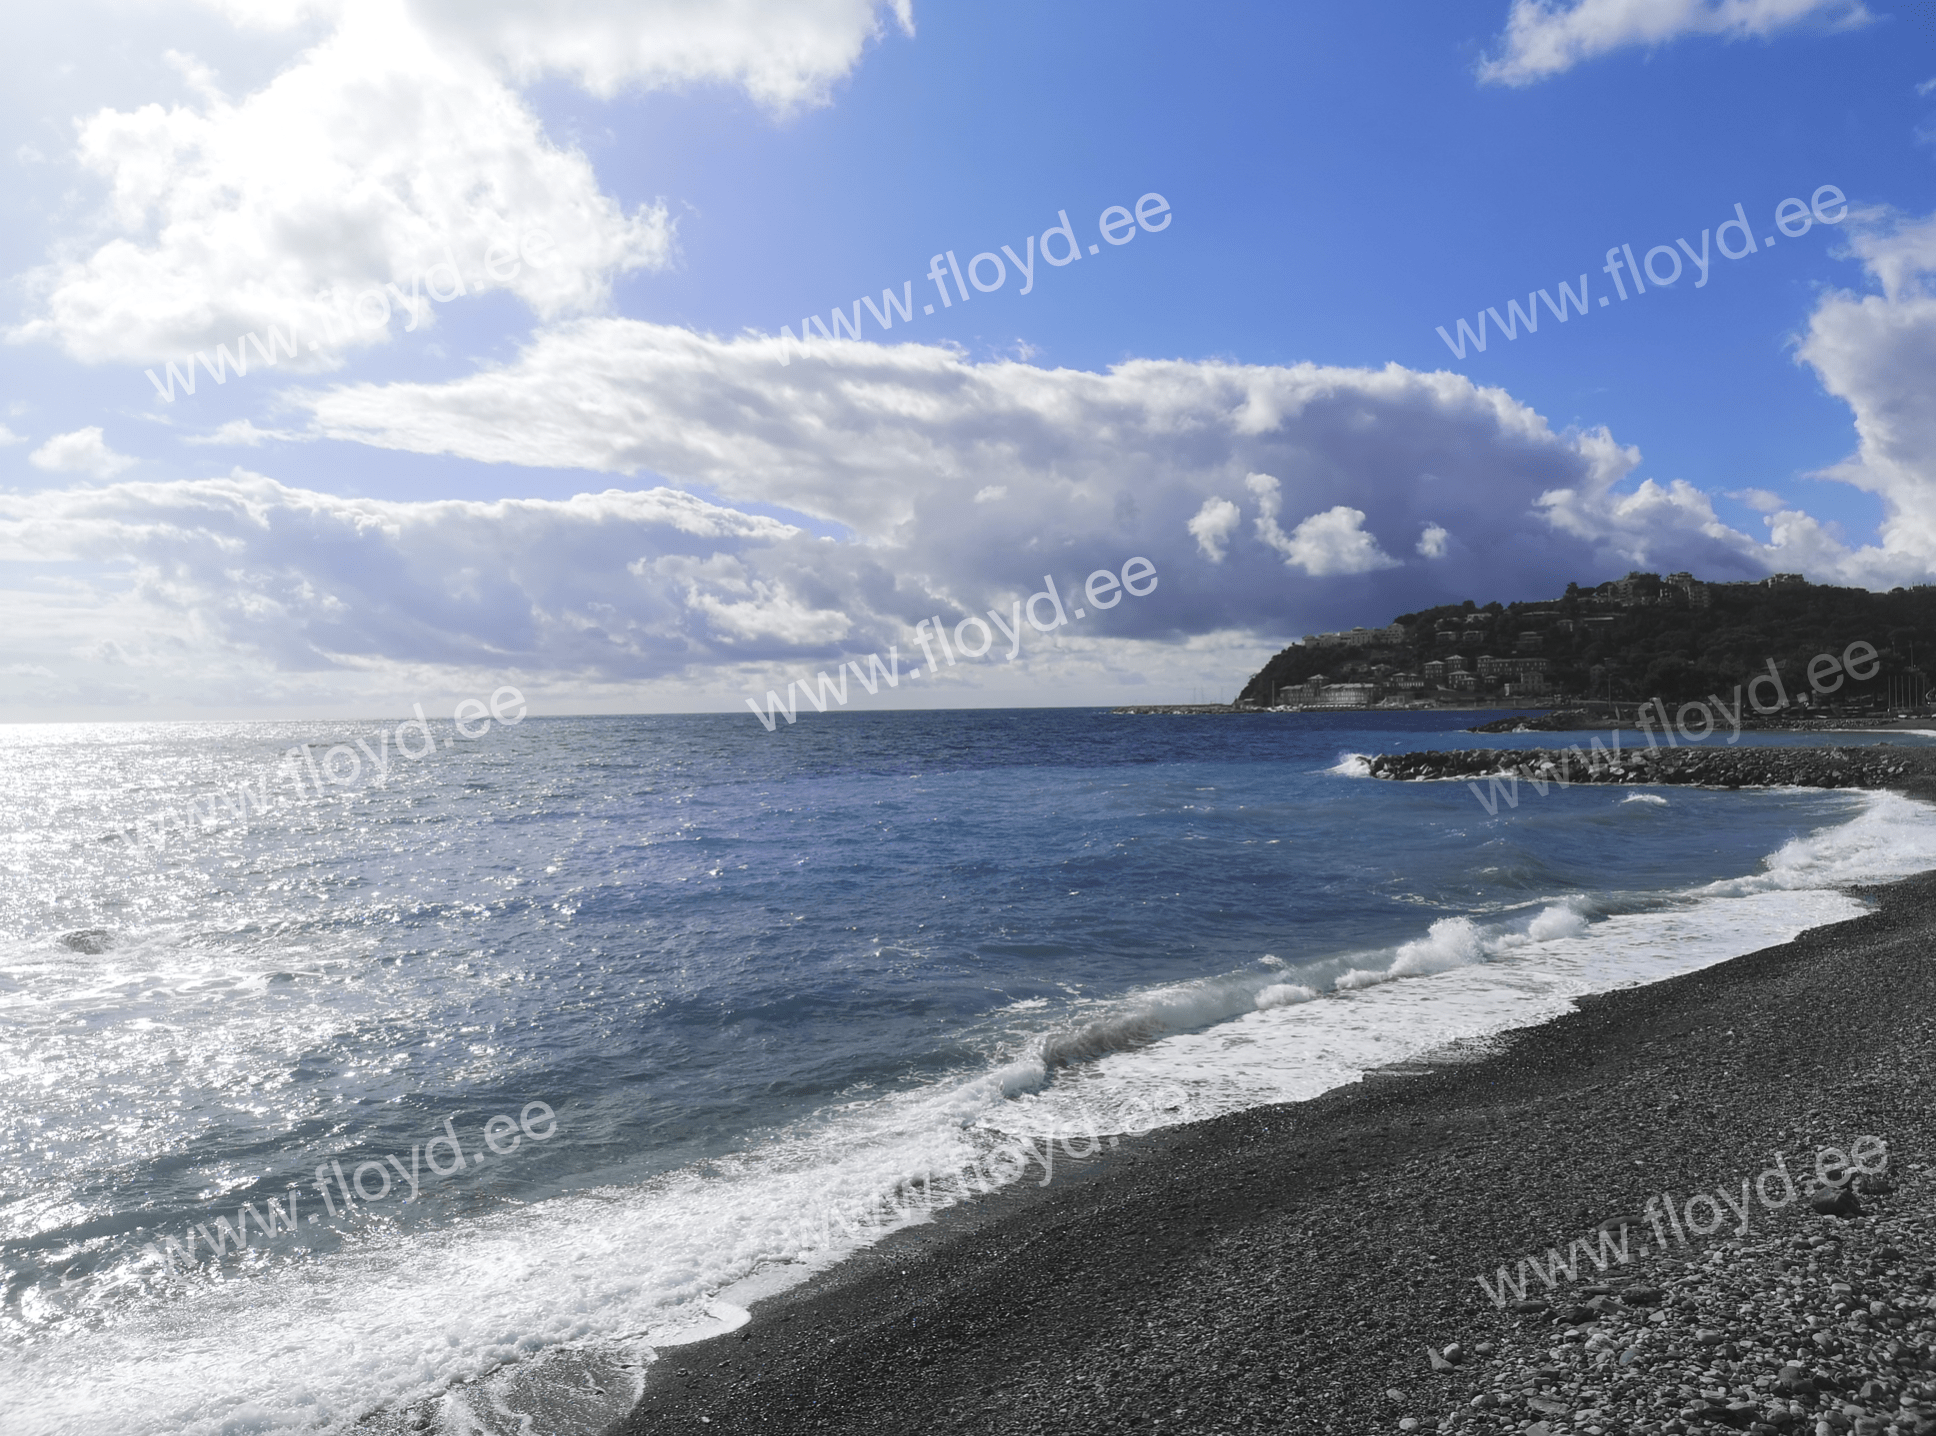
<point x="729" y="990"/>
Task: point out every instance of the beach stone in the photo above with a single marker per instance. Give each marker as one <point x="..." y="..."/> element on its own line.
<point x="1531" y="1307"/>
<point x="1439" y="1363"/>
<point x="1836" y="1202"/>
<point x="1642" y="1296"/>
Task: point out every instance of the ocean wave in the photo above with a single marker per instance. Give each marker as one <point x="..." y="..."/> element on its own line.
<point x="1891" y="837"/>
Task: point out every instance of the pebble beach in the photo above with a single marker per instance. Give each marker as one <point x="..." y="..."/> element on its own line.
<point x="1316" y="1266"/>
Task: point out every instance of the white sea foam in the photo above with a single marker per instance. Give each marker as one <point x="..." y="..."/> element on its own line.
<point x="1651" y="799"/>
<point x="1351" y="765"/>
<point x="1891" y="837"/>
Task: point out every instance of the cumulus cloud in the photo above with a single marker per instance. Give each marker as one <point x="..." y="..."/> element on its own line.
<point x="1875" y="352"/>
<point x="85" y="451"/>
<point x="1213" y="525"/>
<point x="893" y="443"/>
<point x="617" y="584"/>
<point x="395" y="143"/>
<point x="1335" y="541"/>
<point x="841" y="510"/>
<point x="784" y="53"/>
<point x="8" y="437"/>
<point x="850" y="498"/>
<point x="1544" y="39"/>
<point x="377" y="155"/>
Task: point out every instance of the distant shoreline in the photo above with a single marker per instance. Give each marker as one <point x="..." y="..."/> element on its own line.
<point x="1552" y="719"/>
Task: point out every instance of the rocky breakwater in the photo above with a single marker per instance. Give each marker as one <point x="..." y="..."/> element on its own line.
<point x="1880" y="765"/>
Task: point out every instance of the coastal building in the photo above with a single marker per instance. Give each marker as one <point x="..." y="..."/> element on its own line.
<point x="1636" y="590"/>
<point x="1314" y="692"/>
<point x="1356" y="637"/>
<point x="1348" y="695"/>
<point x="1434" y="672"/>
<point x="1690" y="588"/>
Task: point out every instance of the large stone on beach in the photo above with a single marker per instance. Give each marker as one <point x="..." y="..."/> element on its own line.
<point x="1836" y="1202"/>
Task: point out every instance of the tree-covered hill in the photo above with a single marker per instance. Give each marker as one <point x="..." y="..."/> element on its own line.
<point x="1636" y="638"/>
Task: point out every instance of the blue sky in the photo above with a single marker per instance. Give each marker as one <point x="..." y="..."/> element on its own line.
<point x="595" y="479"/>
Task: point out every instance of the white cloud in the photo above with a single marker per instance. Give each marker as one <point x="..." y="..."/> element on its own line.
<point x="1213" y="525"/>
<point x="8" y="437"/>
<point x="394" y="140"/>
<point x="890" y="441"/>
<point x="1335" y="542"/>
<point x="85" y="451"/>
<point x="1876" y="352"/>
<point x="244" y="585"/>
<point x="1270" y="499"/>
<point x="784" y="53"/>
<point x="357" y="166"/>
<point x="243" y="433"/>
<point x="1544" y="39"/>
<point x="878" y="438"/>
<point x="991" y="493"/>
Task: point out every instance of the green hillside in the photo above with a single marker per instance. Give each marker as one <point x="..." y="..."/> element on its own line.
<point x="1636" y="638"/>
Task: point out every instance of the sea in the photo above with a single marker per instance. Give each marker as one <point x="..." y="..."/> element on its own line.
<point x="526" y="1058"/>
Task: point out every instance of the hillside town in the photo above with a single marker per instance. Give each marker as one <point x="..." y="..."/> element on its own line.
<point x="1630" y="638"/>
